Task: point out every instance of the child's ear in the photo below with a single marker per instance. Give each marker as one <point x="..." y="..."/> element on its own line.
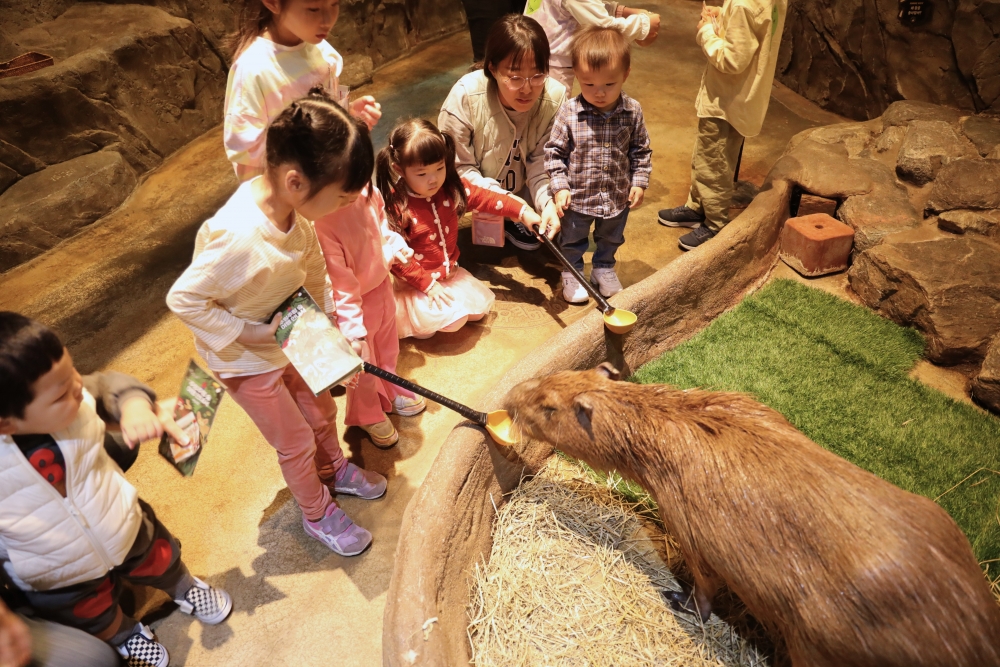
<point x="274" y="6"/>
<point x="7" y="426"/>
<point x="627" y="72"/>
<point x="294" y="182"/>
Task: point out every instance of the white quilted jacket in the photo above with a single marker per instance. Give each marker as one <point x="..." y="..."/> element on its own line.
<point x="54" y="542"/>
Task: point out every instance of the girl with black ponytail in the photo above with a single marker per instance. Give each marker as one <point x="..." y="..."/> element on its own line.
<point x="425" y="197"/>
<point x="257" y="250"/>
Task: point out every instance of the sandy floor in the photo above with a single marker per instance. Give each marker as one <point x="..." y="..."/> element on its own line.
<point x="296" y="603"/>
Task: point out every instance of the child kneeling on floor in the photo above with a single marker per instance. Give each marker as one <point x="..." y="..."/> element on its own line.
<point x="72" y="528"/>
<point x="598" y="159"/>
<point x="257" y="250"/>
<point x="424" y="199"/>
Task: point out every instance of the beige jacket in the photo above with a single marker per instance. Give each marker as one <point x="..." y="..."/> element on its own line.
<point x="483" y="134"/>
<point x="736" y="85"/>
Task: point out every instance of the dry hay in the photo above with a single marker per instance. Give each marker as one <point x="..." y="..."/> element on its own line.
<point x="574" y="579"/>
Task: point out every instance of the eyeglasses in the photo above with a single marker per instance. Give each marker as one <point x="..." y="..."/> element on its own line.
<point x="517" y="82"/>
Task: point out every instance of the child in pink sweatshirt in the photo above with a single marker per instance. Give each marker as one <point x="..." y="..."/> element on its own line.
<point x="359" y="248"/>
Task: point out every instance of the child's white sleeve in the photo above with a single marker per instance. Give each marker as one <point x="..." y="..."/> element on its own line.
<point x="195" y="296"/>
<point x="602" y="14"/>
<point x="245" y="126"/>
<point x="733" y="53"/>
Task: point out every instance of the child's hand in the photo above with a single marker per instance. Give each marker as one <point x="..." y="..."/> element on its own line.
<point x="654" y="30"/>
<point x="440" y="296"/>
<point x="550" y="220"/>
<point x="562" y="202"/>
<point x="15" y="639"/>
<point x="635" y="196"/>
<point x="259" y="334"/>
<point x="403" y="256"/>
<point x="362" y="349"/>
<point x="366" y="109"/>
<point x="529" y="219"/>
<point x="141" y="421"/>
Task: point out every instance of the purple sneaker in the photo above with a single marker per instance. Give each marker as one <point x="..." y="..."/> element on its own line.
<point x="359" y="482"/>
<point x="337" y="531"/>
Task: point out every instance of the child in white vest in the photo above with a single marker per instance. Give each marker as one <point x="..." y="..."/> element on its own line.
<point x="88" y="530"/>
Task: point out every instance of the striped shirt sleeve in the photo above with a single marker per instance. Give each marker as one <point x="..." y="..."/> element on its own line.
<point x="245" y="124"/>
<point x="219" y="271"/>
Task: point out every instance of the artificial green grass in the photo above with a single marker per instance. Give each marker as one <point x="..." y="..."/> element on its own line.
<point x="839" y="373"/>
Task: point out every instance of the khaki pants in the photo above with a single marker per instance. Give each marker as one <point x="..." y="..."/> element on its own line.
<point x="716" y="149"/>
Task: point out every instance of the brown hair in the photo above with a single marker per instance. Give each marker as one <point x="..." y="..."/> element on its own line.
<point x="327" y="145"/>
<point x="251" y="20"/>
<point x="598" y="48"/>
<point x="415" y="142"/>
<point x="515" y="35"/>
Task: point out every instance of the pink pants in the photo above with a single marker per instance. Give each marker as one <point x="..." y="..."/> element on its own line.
<point x="372" y="398"/>
<point x="300" y="426"/>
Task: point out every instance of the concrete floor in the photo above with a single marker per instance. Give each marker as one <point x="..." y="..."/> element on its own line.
<point x="296" y="603"/>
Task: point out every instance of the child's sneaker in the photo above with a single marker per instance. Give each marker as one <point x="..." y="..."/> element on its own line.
<point x="404" y="406"/>
<point x="142" y="650"/>
<point x="359" y="482"/>
<point x="206" y="603"/>
<point x="383" y="433"/>
<point x="338" y="532"/>
<point x="606" y="280"/>
<point x="573" y="291"/>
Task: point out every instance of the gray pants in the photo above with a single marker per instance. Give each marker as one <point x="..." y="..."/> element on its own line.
<point x="713" y="164"/>
<point x="55" y="645"/>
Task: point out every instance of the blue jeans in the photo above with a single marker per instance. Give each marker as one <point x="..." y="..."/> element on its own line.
<point x="609" y="235"/>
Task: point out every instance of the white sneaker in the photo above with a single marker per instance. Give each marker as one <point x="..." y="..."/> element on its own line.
<point x="405" y="406"/>
<point x="206" y="603"/>
<point x="142" y="650"/>
<point x="606" y="280"/>
<point x="573" y="291"/>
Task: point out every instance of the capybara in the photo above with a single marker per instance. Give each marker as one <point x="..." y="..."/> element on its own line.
<point x="847" y="568"/>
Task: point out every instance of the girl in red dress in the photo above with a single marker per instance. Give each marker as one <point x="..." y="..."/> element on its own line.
<point x="424" y="199"/>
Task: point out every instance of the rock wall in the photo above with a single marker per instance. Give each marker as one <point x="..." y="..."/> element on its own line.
<point x="139" y="80"/>
<point x="855" y="57"/>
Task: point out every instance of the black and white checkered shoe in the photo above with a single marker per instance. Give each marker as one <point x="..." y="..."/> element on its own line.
<point x="142" y="650"/>
<point x="207" y="604"/>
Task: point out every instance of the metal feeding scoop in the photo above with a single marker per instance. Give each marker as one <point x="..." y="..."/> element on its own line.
<point x="497" y="423"/>
<point x="617" y="320"/>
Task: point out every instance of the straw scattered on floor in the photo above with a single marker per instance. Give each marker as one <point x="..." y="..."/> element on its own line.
<point x="574" y="579"/>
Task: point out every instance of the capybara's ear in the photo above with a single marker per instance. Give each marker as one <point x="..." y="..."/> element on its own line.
<point x="608" y="371"/>
<point x="584" y="410"/>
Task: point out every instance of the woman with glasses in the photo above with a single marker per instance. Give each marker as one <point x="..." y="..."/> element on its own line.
<point x="501" y="117"/>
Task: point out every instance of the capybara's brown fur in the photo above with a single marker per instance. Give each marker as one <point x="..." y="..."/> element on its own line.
<point x="849" y="569"/>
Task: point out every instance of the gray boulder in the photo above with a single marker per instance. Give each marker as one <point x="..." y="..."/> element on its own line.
<point x="927" y="146"/>
<point x="984" y="223"/>
<point x="904" y="112"/>
<point x="127" y="77"/>
<point x="968" y="184"/>
<point x="820" y="169"/>
<point x="946" y="287"/>
<point x="884" y="210"/>
<point x="51" y="205"/>
<point x="986" y="385"/>
<point x="983" y="132"/>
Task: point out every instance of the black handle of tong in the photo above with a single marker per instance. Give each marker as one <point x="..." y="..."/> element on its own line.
<point x="606" y="307"/>
<point x="464" y="410"/>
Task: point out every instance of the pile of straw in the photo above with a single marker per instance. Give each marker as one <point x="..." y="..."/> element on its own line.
<point x="575" y="579"/>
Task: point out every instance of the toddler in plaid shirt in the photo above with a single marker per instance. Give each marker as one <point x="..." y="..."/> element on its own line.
<point x="598" y="159"/>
